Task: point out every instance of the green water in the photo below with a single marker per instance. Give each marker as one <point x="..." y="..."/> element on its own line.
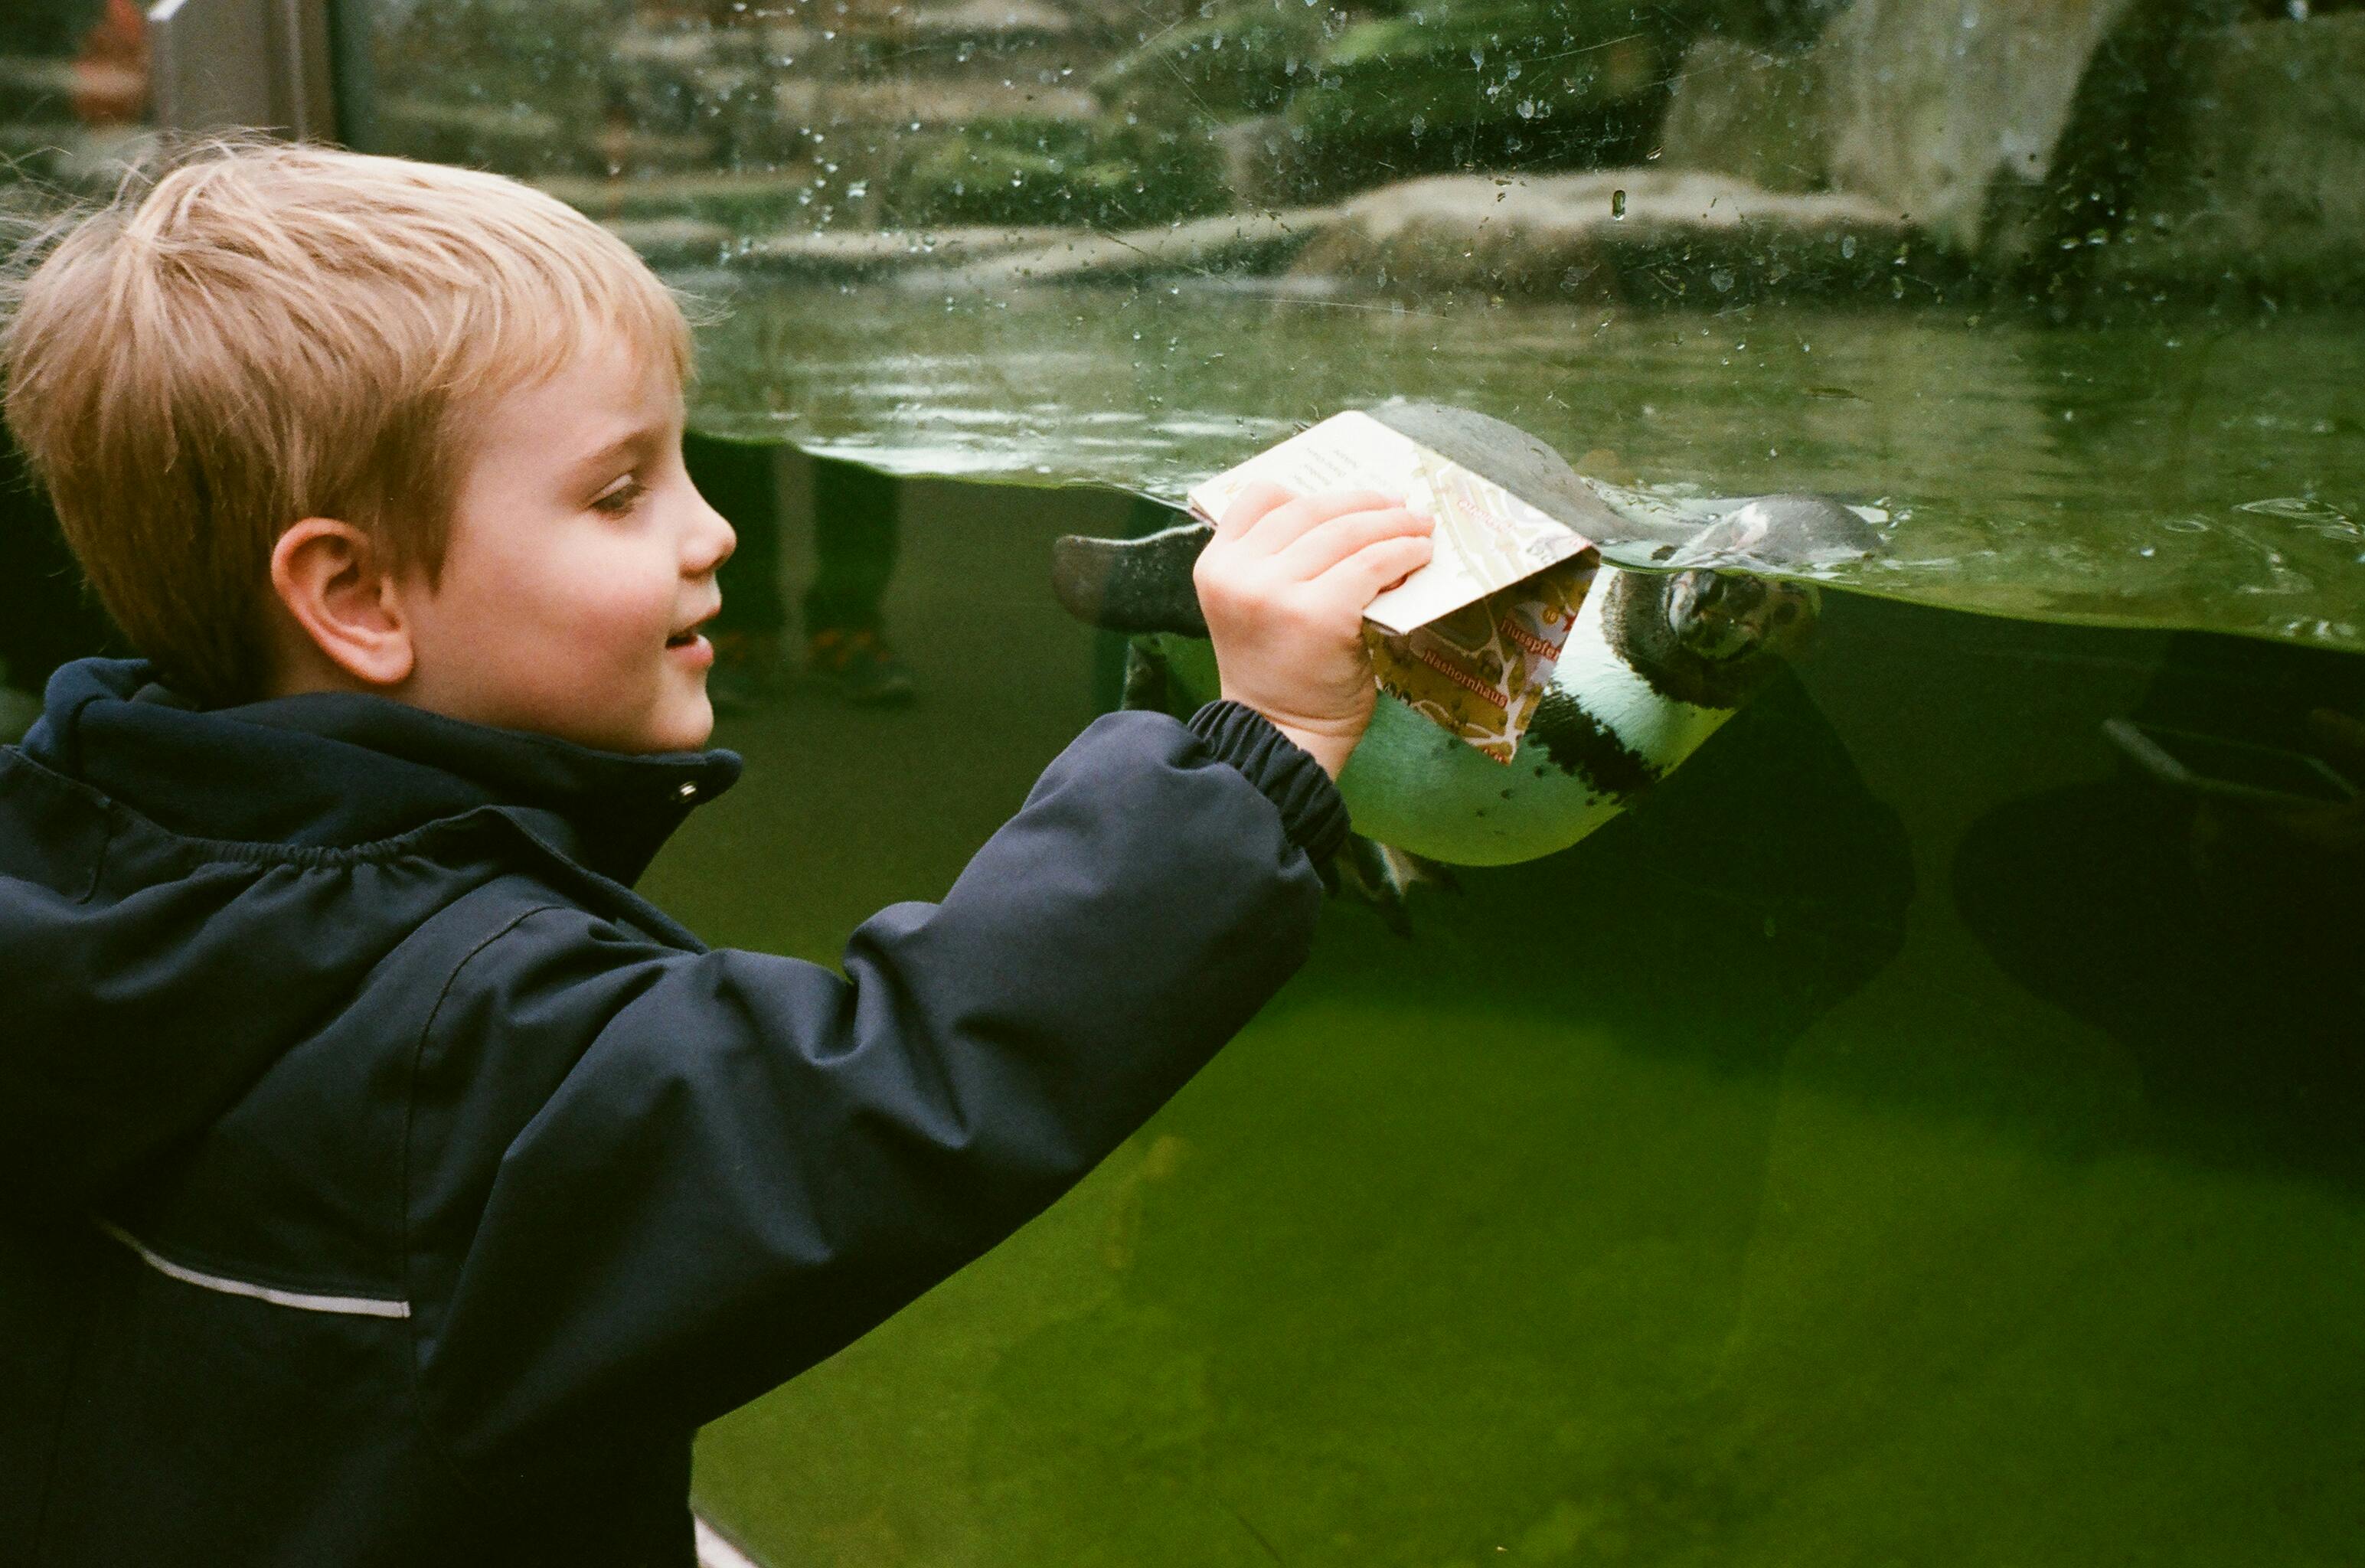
<point x="2191" y="470"/>
<point x="1875" y="1150"/>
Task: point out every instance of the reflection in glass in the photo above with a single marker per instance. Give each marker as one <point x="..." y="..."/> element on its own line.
<point x="73" y="103"/>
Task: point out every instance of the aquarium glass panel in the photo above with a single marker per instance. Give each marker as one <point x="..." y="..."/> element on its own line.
<point x="1902" y="1108"/>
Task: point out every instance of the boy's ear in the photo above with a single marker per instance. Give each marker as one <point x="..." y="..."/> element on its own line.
<point x="331" y="578"/>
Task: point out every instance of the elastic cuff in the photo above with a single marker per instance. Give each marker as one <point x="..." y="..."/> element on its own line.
<point x="1309" y="804"/>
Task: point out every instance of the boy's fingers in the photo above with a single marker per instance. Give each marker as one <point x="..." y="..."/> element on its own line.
<point x="1283" y="526"/>
<point x="1364" y="574"/>
<point x="1256" y="499"/>
<point x="1326" y="544"/>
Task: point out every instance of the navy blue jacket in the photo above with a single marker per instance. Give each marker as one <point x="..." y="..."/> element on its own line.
<point x="385" y="1182"/>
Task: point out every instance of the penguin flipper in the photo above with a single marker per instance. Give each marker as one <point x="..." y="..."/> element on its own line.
<point x="1133" y="585"/>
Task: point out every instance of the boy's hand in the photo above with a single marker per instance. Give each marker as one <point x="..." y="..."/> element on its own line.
<point x="1284" y="585"/>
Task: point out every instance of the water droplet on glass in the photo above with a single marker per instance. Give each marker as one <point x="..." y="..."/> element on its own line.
<point x="1847" y="246"/>
<point x="1721" y="279"/>
<point x="1618" y="203"/>
<point x="1527" y="108"/>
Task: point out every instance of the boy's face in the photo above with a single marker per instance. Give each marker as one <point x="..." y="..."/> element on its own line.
<point x="580" y="561"/>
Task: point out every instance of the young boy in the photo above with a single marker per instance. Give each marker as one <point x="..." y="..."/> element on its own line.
<point x="387" y="1184"/>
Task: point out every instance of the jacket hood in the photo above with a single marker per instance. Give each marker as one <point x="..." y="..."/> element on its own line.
<point x="186" y="894"/>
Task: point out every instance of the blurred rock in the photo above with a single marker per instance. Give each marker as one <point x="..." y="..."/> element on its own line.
<point x="673" y="241"/>
<point x="894" y="103"/>
<point x="1021" y="174"/>
<point x="1739" y="111"/>
<point x="1095" y="175"/>
<point x="742" y="203"/>
<point x="1237" y="242"/>
<point x="992" y="18"/>
<point x="1265" y="163"/>
<point x="848" y="254"/>
<point x="2258" y="171"/>
<point x="1628" y="233"/>
<point x="514" y="138"/>
<point x="1927" y="102"/>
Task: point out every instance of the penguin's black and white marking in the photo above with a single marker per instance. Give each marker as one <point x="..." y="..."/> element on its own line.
<point x="1656" y="663"/>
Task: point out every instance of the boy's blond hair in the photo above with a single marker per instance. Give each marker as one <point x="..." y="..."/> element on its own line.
<point x="266" y="332"/>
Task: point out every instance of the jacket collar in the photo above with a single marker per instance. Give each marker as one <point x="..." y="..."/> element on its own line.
<point x="333" y="770"/>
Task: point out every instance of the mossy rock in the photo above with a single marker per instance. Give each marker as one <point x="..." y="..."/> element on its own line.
<point x="1491" y="84"/>
<point x="1052" y="172"/>
<point x="1244" y="60"/>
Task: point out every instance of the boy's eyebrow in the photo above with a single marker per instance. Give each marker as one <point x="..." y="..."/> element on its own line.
<point x="646" y="437"/>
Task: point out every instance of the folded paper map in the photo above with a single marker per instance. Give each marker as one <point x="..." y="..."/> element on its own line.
<point x="1470" y="640"/>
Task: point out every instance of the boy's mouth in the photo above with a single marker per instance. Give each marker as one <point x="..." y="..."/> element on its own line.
<point x="689" y="634"/>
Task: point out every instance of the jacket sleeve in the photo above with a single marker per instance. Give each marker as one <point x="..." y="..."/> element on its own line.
<point x="733" y="1164"/>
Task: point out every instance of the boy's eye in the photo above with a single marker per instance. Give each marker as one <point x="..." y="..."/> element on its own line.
<point x="622" y="499"/>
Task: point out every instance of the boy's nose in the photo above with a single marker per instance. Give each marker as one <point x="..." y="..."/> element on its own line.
<point x="710" y="542"/>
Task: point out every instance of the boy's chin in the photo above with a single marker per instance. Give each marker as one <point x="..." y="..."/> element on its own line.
<point x="689" y="728"/>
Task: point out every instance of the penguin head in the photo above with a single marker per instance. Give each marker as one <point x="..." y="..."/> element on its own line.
<point x="1723" y="616"/>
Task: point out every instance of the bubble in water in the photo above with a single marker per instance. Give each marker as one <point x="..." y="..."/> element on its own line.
<point x="2319" y="518"/>
<point x="1618" y="203"/>
<point x="2300" y="508"/>
<point x="1847" y="246"/>
<point x="1528" y="108"/>
<point x="1721" y="279"/>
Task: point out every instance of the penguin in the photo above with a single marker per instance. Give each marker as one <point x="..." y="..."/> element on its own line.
<point x="1657" y="661"/>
